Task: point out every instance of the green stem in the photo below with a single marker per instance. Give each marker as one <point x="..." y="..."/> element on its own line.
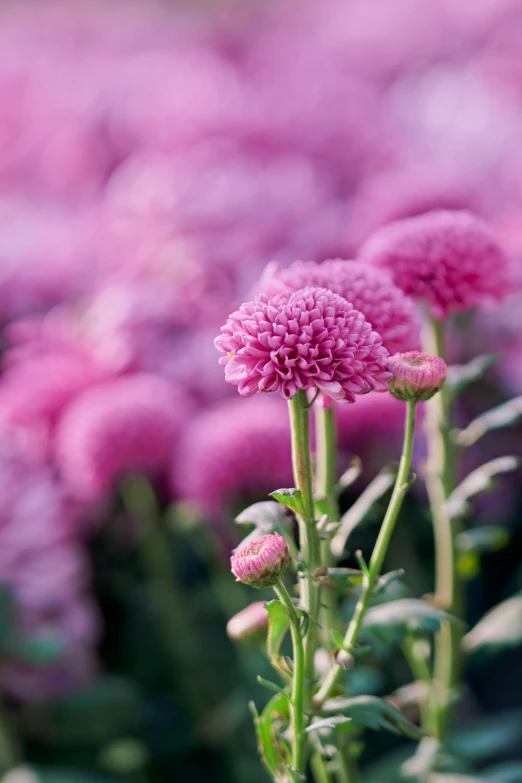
<point x="417" y="654"/>
<point x="320" y="769"/>
<point x="347" y="766"/>
<point x="378" y="554"/>
<point x="325" y="481"/>
<point x="308" y="537"/>
<point x="448" y="588"/>
<point x="298" y="681"/>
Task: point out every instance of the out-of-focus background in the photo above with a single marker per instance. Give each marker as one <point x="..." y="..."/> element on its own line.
<point x="154" y="156"/>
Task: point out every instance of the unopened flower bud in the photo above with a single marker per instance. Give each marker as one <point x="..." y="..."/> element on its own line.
<point x="416" y="376"/>
<point x="260" y="562"/>
<point x="249" y="622"/>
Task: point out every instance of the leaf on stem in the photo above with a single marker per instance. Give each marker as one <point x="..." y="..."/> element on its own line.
<point x="499" y="628"/>
<point x="271" y="747"/>
<point x="501" y="416"/>
<point x="268" y="516"/>
<point x="361" y="508"/>
<point x="392" y="621"/>
<point x="479" y="480"/>
<point x="373" y="713"/>
<point x="278" y="625"/>
<point x="292" y="498"/>
<point x="272" y="686"/>
<point x="328" y="723"/>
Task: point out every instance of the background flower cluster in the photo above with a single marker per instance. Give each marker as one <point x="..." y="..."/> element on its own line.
<point x="154" y="158"/>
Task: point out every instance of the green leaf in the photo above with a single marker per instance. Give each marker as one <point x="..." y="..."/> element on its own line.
<point x="479" y="480"/>
<point x="278" y="625"/>
<point x="289" y="497"/>
<point x="461" y="375"/>
<point x="267" y="516"/>
<point x="272" y="686"/>
<point x="486" y="538"/>
<point x="273" y="750"/>
<point x="362" y="507"/>
<point x="373" y="713"/>
<point x="508" y="772"/>
<point x="501" y="627"/>
<point x="386" y="580"/>
<point x="393" y="620"/>
<point x="328" y="723"/>
<point x="105" y="710"/>
<point x="503" y="415"/>
<point x="344" y="579"/>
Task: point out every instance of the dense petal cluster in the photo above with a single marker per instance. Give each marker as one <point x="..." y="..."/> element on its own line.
<point x="416" y="376"/>
<point x="451" y="260"/>
<point x="372" y="292"/>
<point x="125" y="426"/>
<point x="311" y="338"/>
<point x="260" y="562"/>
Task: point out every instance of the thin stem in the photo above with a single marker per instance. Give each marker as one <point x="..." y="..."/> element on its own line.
<point x="417" y="654"/>
<point x="448" y="588"/>
<point x="308" y="537"/>
<point x="378" y="554"/>
<point x="298" y="679"/>
<point x="347" y="766"/>
<point x="320" y="769"/>
<point x="325" y="481"/>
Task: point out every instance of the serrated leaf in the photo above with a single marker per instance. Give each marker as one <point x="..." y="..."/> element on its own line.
<point x="328" y="723"/>
<point x="461" y="375"/>
<point x="373" y="713"/>
<point x="289" y="497"/>
<point x="278" y="625"/>
<point x="393" y="620"/>
<point x="361" y="508"/>
<point x="486" y="538"/>
<point x="267" y="516"/>
<point x="501" y="627"/>
<point x="479" y="480"/>
<point x="501" y="416"/>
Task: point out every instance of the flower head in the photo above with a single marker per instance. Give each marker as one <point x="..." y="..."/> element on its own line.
<point x="416" y="376"/>
<point x="260" y="562"/>
<point x="372" y="292"/>
<point x="248" y="622"/>
<point x="311" y="338"/>
<point x="124" y="426"/>
<point x="451" y="260"/>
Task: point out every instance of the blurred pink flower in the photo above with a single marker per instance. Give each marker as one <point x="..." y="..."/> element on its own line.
<point x="122" y="427"/>
<point x="304" y="340"/>
<point x="237" y="449"/>
<point x="451" y="260"/>
<point x="371" y="291"/>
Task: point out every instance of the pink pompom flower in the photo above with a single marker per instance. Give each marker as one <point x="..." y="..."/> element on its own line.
<point x="308" y="339"/>
<point x="122" y="427"/>
<point x="451" y="260"/>
<point x="249" y="622"/>
<point x="371" y="291"/>
<point x="416" y="376"/>
<point x="261" y="562"/>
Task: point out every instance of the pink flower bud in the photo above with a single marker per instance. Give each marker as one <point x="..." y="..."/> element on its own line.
<point x="416" y="376"/>
<point x="260" y="562"/>
<point x="249" y="622"/>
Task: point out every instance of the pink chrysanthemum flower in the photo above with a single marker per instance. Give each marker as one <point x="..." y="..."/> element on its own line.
<point x="308" y="339"/>
<point x="125" y="426"/>
<point x="260" y="562"/>
<point x="249" y="622"/>
<point x="451" y="260"/>
<point x="372" y="292"/>
<point x="416" y="376"/>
